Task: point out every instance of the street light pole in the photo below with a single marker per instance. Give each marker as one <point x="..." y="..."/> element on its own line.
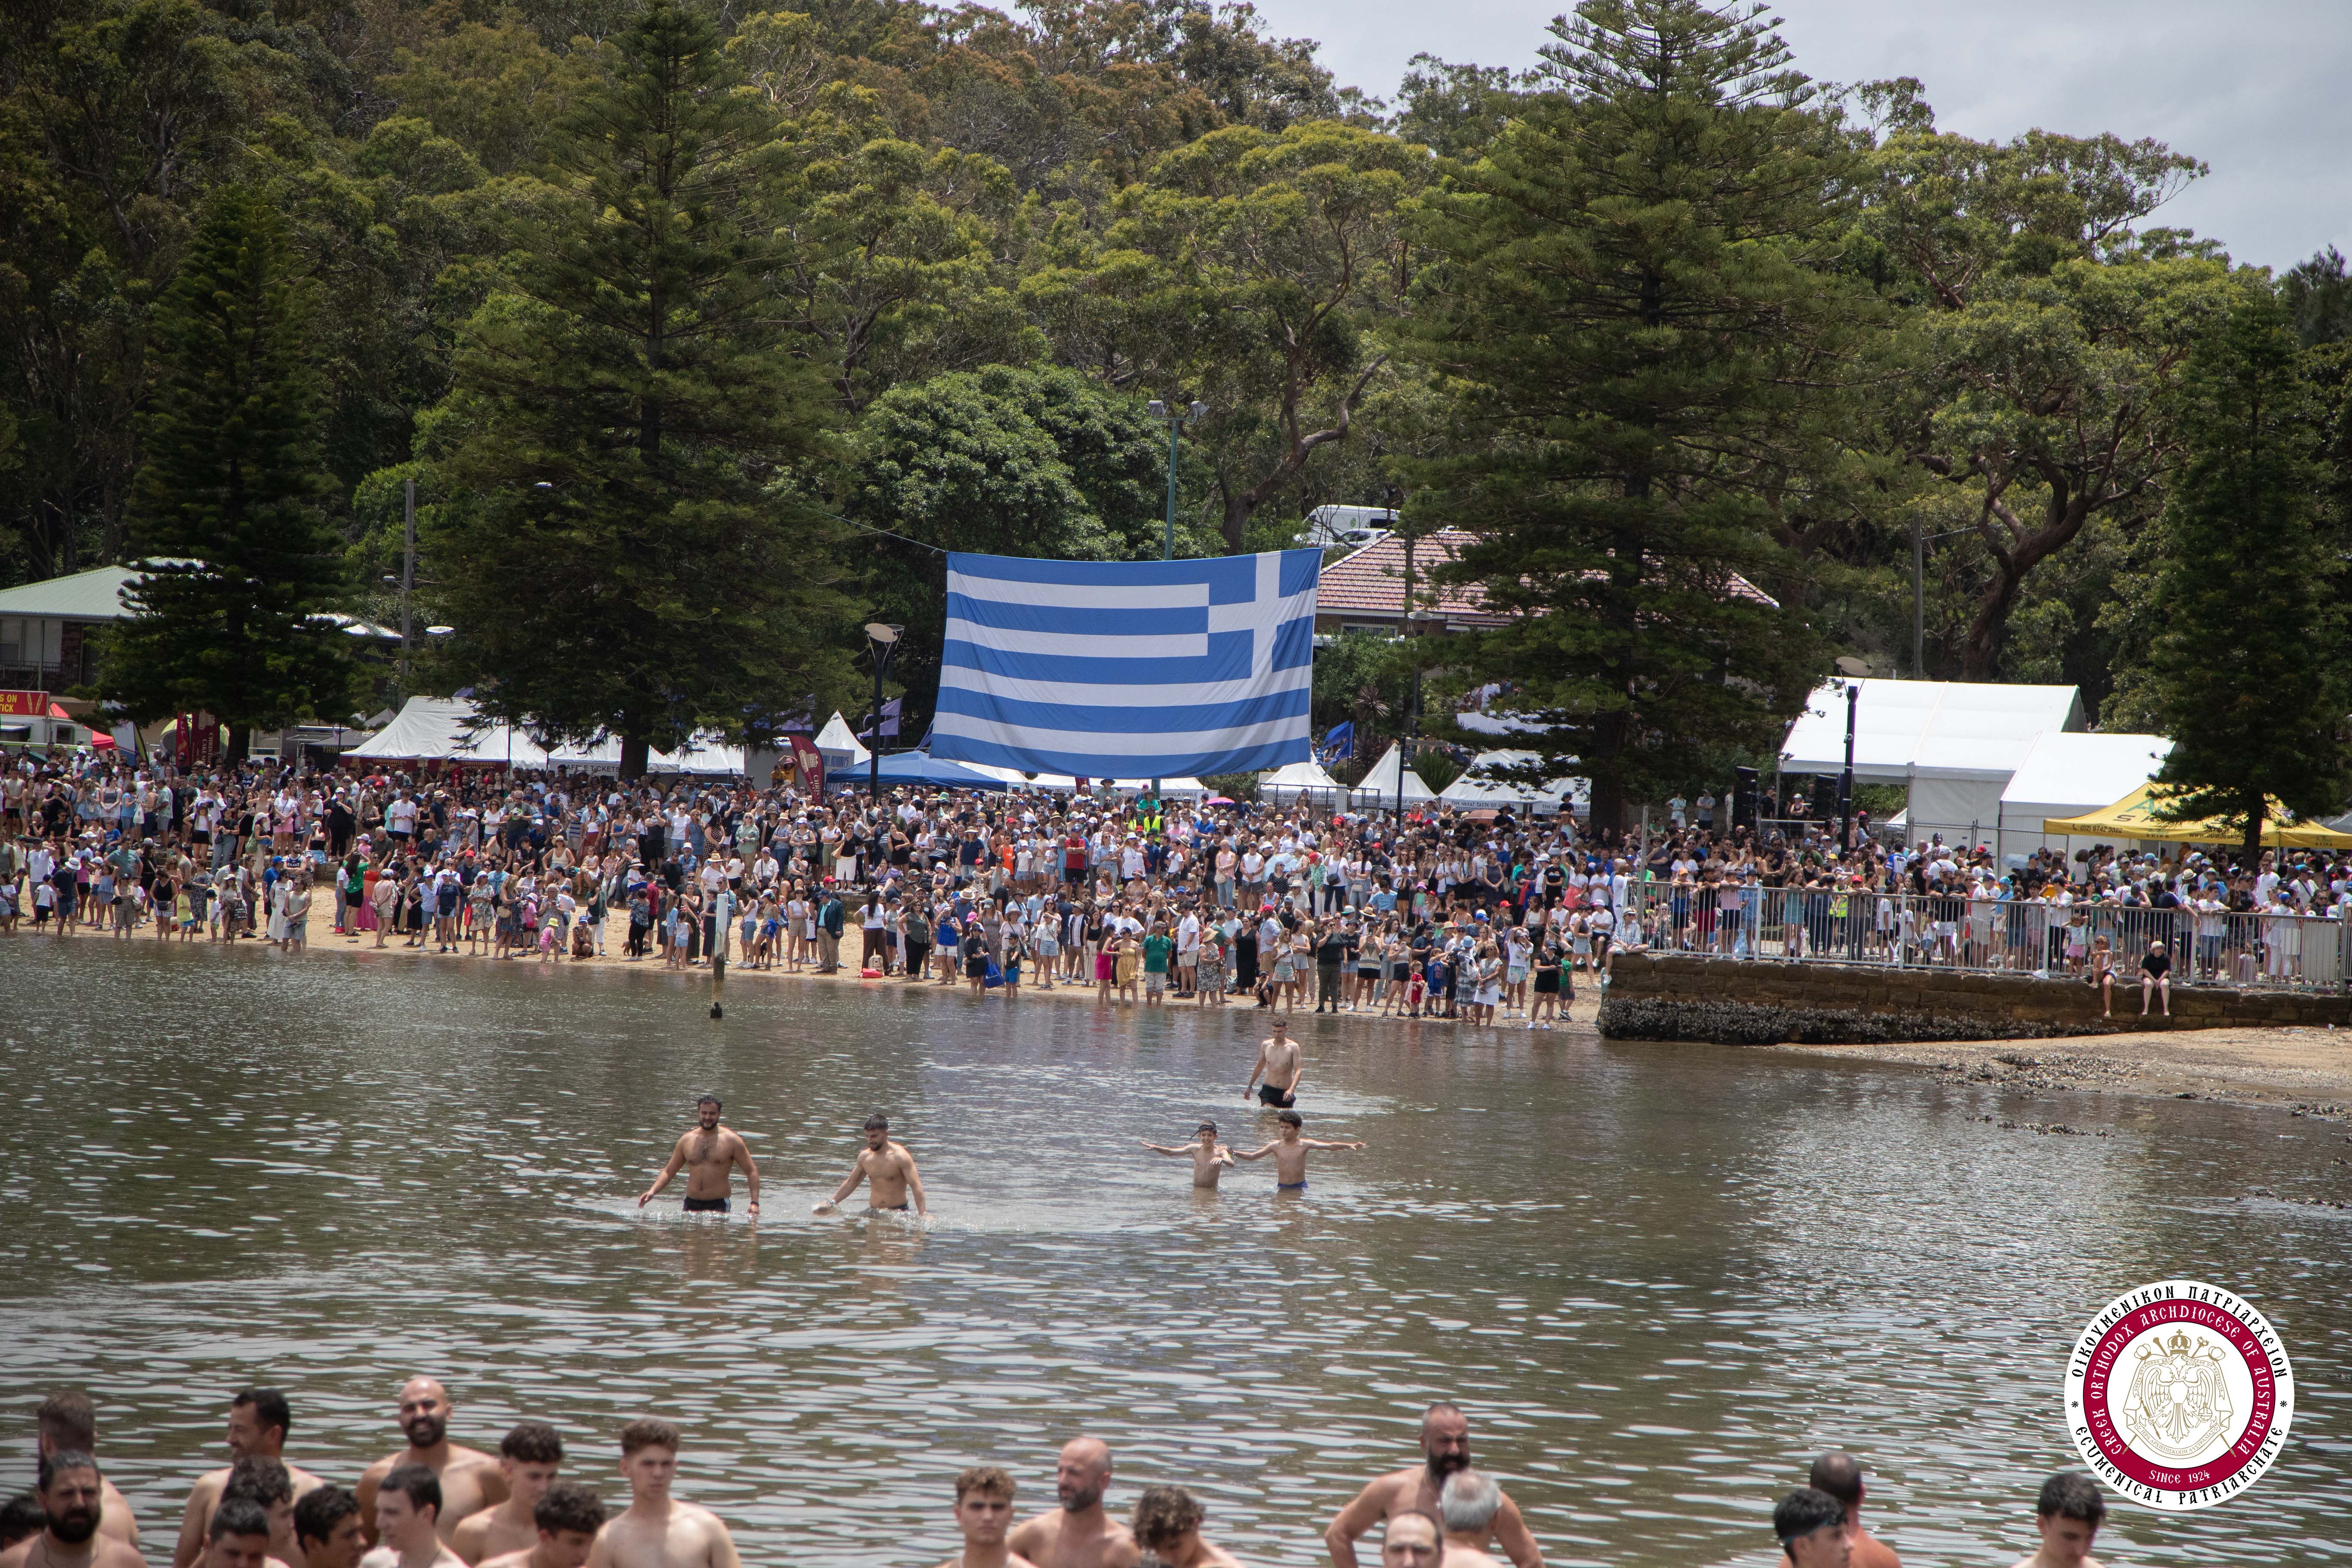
<point x="1845" y="779"/>
<point x="882" y="641"/>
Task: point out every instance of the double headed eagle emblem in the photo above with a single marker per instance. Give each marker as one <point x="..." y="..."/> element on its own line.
<point x="2177" y="1406"/>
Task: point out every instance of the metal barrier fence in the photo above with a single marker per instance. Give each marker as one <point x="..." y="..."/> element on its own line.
<point x="1954" y="931"/>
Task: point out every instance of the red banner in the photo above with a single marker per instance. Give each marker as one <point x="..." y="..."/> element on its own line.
<point x="23" y="704"/>
<point x="196" y="740"/>
<point x="811" y="763"/>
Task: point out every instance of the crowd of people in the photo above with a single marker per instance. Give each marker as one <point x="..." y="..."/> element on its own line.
<point x="437" y="1504"/>
<point x="1486" y="918"/>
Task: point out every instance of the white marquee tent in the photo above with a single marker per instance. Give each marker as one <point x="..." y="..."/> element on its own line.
<point x="1955" y="745"/>
<point x="837" y="743"/>
<point x="1471" y="793"/>
<point x="1297" y="779"/>
<point x="2069" y="776"/>
<point x="1378" y="788"/>
<point x="440" y="729"/>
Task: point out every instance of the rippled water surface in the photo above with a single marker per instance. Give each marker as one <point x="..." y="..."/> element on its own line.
<point x="1659" y="1278"/>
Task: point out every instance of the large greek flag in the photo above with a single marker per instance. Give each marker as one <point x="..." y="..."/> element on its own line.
<point x="1128" y="669"/>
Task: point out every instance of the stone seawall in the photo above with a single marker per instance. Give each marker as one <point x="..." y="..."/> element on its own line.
<point x="1685" y="996"/>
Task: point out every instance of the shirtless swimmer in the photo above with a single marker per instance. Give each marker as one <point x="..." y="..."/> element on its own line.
<point x="709" y="1154"/>
<point x="1209" y="1157"/>
<point x="887" y="1166"/>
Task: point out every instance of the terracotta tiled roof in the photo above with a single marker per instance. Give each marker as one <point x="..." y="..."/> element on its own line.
<point x="1370" y="582"/>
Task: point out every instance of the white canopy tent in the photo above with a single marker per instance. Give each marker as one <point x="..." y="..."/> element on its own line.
<point x="1472" y="793"/>
<point x="440" y="729"/>
<point x="1953" y="744"/>
<point x="2070" y="775"/>
<point x="703" y="756"/>
<point x="838" y="744"/>
<point x="1378" y="788"/>
<point x="1297" y="779"/>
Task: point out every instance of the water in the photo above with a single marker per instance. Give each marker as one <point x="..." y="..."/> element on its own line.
<point x="1659" y="1278"/>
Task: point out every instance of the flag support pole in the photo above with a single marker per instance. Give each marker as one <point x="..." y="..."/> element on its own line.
<point x="1176" y="420"/>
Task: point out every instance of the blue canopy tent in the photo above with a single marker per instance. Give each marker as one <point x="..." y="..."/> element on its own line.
<point x="916" y="768"/>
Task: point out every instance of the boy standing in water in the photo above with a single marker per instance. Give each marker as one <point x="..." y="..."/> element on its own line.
<point x="1289" y="1152"/>
<point x="1208" y="1156"/>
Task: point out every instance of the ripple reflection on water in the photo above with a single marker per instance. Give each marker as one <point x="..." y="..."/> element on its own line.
<point x="1660" y="1278"/>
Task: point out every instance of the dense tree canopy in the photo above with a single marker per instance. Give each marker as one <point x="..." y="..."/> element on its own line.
<point x="238" y="569"/>
<point x="1635" y="291"/>
<point x="1642" y="323"/>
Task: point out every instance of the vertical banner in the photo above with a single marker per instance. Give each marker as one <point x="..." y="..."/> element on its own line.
<point x="810" y="762"/>
<point x="195" y="741"/>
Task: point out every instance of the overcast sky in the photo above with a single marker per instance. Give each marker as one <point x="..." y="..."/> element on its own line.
<point x="2257" y="89"/>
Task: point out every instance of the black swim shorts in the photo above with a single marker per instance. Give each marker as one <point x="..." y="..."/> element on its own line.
<point x="705" y="1206"/>
<point x="1270" y="1095"/>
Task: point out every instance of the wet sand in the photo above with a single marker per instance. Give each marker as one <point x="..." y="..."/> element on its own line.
<point x="2305" y="1071"/>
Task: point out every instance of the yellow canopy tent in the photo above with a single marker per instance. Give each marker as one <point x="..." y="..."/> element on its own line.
<point x="2135" y="817"/>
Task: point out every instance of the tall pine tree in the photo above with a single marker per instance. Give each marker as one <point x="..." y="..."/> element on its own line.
<point x="2248" y="670"/>
<point x="237" y="561"/>
<point x="1634" y="296"/>
<point x="623" y="554"/>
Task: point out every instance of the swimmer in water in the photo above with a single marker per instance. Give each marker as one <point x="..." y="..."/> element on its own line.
<point x="709" y="1154"/>
<point x="1289" y="1152"/>
<point x="1208" y="1156"/>
<point x="888" y="1166"/>
<point x="1279" y="1064"/>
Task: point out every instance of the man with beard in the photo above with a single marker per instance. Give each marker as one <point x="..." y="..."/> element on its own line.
<point x="1446" y="1449"/>
<point x="709" y="1154"/>
<point x="470" y="1479"/>
<point x="567" y="1517"/>
<point x="72" y="1496"/>
<point x="68" y="1421"/>
<point x="258" y="1420"/>
<point x="1078" y="1534"/>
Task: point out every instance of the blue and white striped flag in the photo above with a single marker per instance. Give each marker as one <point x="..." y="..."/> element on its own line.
<point x="1129" y="669"/>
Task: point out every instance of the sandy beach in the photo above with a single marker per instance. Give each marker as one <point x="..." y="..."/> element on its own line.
<point x="2305" y="1071"/>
